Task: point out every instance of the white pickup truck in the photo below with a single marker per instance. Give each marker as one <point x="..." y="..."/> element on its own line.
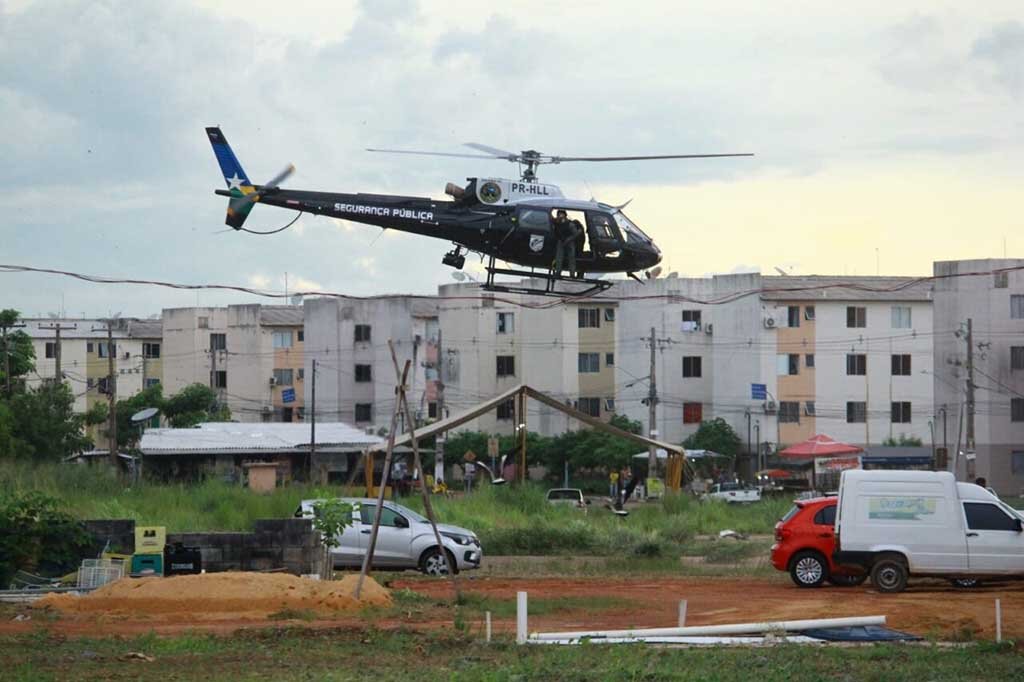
<point x="733" y="493"/>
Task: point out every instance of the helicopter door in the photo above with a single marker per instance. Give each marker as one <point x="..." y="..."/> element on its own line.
<point x="534" y="233"/>
<point x="605" y="240"/>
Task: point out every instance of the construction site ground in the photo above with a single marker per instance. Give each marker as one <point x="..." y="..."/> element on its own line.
<point x="933" y="609"/>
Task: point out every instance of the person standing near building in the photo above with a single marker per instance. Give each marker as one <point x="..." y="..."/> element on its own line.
<point x="613" y="484"/>
<point x="469" y="474"/>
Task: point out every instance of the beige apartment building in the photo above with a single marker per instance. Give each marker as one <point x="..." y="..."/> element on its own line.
<point x="252" y="355"/>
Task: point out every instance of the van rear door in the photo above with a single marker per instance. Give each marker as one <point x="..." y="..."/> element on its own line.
<point x="995" y="541"/>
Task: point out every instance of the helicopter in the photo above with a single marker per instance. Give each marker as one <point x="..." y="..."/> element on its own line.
<point x="518" y="222"/>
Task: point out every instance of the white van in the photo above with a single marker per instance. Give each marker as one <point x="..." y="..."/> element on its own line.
<point x="894" y="524"/>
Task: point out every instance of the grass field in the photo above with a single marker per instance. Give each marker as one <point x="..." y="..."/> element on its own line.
<point x="460" y="654"/>
<point x="509" y="521"/>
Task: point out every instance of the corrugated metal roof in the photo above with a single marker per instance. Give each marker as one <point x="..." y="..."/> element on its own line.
<point x="281" y="315"/>
<point x="145" y="329"/>
<point x="236" y="437"/>
<point x="830" y="288"/>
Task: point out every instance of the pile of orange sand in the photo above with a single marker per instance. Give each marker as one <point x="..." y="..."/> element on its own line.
<point x="230" y="593"/>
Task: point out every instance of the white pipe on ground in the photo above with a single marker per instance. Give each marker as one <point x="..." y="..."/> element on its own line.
<point x="693" y="641"/>
<point x="711" y="630"/>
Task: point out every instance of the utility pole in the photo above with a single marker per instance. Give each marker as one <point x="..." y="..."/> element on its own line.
<point x="111" y="393"/>
<point x="312" y="425"/>
<point x="57" y="327"/>
<point x="7" y="355"/>
<point x="969" y="446"/>
<point x="439" y="442"/>
<point x="652" y="400"/>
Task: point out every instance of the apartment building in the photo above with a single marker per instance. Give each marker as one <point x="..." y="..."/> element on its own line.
<point x="355" y="374"/>
<point x="493" y="342"/>
<point x="252" y="355"/>
<point x="993" y="304"/>
<point x="83" y="355"/>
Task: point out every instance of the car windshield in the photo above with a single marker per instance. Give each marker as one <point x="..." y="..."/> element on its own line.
<point x="564" y="495"/>
<point x="633" y="234"/>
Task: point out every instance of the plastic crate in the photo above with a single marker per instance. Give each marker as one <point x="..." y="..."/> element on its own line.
<point x="150" y="539"/>
<point x="147" y="562"/>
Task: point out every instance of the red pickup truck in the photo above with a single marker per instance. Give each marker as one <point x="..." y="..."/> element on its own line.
<point x="804" y="540"/>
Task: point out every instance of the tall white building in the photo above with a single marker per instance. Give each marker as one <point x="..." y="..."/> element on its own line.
<point x="994" y="305"/>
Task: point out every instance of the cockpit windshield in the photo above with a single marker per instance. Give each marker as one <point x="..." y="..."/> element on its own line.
<point x="633" y="234"/>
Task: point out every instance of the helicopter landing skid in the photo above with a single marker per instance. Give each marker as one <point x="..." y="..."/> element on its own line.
<point x="550" y="278"/>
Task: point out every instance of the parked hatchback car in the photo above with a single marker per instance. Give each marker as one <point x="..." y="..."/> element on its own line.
<point x="404" y="539"/>
<point x="804" y="540"/>
<point x="567" y="496"/>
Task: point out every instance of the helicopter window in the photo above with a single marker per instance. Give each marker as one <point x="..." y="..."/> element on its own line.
<point x="634" y="235"/>
<point x="602" y="225"/>
<point x="534" y="219"/>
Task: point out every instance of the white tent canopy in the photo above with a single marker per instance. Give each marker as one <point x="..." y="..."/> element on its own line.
<point x="690" y="454"/>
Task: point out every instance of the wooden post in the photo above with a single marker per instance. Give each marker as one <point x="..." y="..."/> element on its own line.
<point x="427" y="507"/>
<point x="368" y="558"/>
<point x="999" y="621"/>
<point x="487" y="627"/>
<point x="682" y="613"/>
<point x="521" y="423"/>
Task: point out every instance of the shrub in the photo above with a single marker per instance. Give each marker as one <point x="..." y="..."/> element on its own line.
<point x="35" y="536"/>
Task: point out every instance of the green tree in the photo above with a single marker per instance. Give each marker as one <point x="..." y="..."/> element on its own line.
<point x="36" y="536"/>
<point x="194" y="404"/>
<point x="45" y="425"/>
<point x="716" y="435"/>
<point x="127" y="432"/>
<point x="330" y="518"/>
<point x="20" y="355"/>
<point x="593" y="449"/>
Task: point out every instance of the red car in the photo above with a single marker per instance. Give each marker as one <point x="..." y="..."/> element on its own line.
<point x="804" y="540"/>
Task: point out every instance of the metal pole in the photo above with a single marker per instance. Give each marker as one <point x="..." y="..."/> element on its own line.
<point x="312" y="425"/>
<point x="969" y="446"/>
<point x="682" y="613"/>
<point x="441" y="437"/>
<point x="652" y="409"/>
<point x="112" y="393"/>
<point x="521" y="473"/>
<point x="521" y="623"/>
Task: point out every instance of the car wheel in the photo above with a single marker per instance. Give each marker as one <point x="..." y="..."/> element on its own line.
<point x="432" y="562"/>
<point x="889" y="574"/>
<point x="965" y="583"/>
<point x="841" y="580"/>
<point x="808" y="569"/>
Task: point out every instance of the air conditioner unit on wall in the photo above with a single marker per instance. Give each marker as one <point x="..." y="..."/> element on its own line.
<point x="709" y="330"/>
<point x="769" y="322"/>
<point x="273" y="381"/>
<point x="769" y="407"/>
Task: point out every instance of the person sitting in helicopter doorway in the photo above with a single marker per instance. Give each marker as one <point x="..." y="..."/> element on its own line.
<point x="565" y="242"/>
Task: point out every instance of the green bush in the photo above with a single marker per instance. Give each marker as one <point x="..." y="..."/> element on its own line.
<point x="37" y="537"/>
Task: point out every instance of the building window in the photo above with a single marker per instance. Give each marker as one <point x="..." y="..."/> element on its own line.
<point x="302" y="373"/>
<point x="89" y="348"/>
<point x="1017" y="307"/>
<point x="283" y="377"/>
<point x="691" y="366"/>
<point x="105" y="349"/>
<point x="432" y="410"/>
<point x="691" y="320"/>
<point x="364" y="412"/>
<point x="809" y="360"/>
<point x="1017" y="463"/>
<point x="901" y="413"/>
<point x="203" y="322"/>
<point x="793" y="315"/>
<point x="218" y="341"/>
<point x="286" y="414"/>
<point x="589" y="318"/>
<point x="220" y="378"/>
<point x="856" y="364"/>
<point x="901" y="317"/>
<point x="809" y="312"/>
<point x="301" y="334"/>
<point x="856" y="316"/>
<point x="788" y="363"/>
<point x="589" y="363"/>
<point x="1016" y="357"/>
<point x="1017" y="409"/>
<point x="856" y="412"/>
<point x="609" y="404"/>
<point x="362" y="335"/>
<point x="506" y="365"/>
<point x="589" y="406"/>
<point x="789" y="412"/>
<point x="809" y="408"/>
<point x="506" y="323"/>
<point x="152" y="382"/>
<point x="90" y="382"/>
<point x="507" y="409"/>
<point x="364" y="373"/>
<point x="901" y="365"/>
<point x="51" y="350"/>
<point x="609" y="314"/>
<point x="693" y="413"/>
<point x="282" y="339"/>
<point x="151" y="351"/>
<point x="609" y="359"/>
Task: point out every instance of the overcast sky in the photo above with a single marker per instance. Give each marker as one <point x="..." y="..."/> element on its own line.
<point x="887" y="136"/>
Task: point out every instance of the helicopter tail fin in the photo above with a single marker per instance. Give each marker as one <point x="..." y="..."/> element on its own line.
<point x="242" y="194"/>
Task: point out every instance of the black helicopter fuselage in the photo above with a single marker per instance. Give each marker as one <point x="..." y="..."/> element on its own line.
<point x="521" y="233"/>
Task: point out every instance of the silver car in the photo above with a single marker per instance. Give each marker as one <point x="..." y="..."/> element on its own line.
<point x="404" y="539"/>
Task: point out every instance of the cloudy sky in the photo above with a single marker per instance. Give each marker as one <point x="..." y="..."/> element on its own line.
<point x="887" y="135"/>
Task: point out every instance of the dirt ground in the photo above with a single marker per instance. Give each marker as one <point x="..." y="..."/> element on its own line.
<point x="931" y="608"/>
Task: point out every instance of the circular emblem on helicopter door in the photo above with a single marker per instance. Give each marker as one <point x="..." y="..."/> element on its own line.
<point x="490" y="192"/>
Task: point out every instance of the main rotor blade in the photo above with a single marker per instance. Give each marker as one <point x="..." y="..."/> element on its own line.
<point x="419" y="153"/>
<point x="492" y="150"/>
<point x="560" y="159"/>
<point x="280" y="177"/>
